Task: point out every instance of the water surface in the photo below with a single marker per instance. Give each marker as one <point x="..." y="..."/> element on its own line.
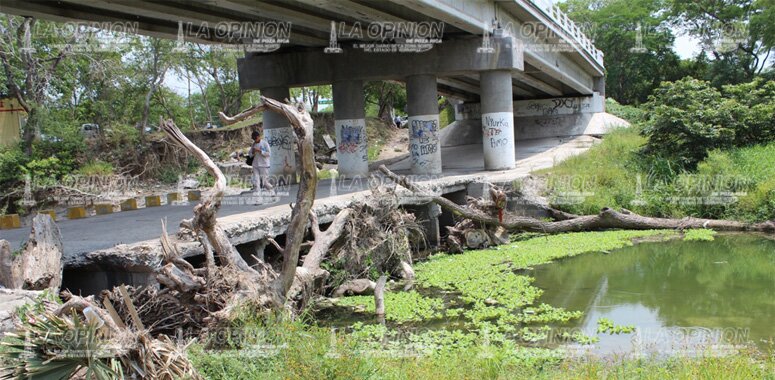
<point x="678" y="294"/>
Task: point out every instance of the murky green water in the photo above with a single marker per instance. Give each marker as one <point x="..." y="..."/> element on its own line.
<point x="677" y="294"/>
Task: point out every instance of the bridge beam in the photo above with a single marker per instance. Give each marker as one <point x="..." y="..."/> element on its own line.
<point x="423" y="109"/>
<point x="350" y="124"/>
<point x="279" y="135"/>
<point x="309" y="68"/>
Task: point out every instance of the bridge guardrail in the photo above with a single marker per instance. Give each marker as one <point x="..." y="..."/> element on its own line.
<point x="567" y="25"/>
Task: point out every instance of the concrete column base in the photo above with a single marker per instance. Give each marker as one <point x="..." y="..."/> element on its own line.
<point x="279" y="134"/>
<point x="430" y="215"/>
<point x="423" y="109"/>
<point x="497" y="120"/>
<point x="282" y="161"/>
<point x="352" y="150"/>
<point x="424" y="145"/>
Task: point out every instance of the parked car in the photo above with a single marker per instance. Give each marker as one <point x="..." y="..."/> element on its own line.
<point x="90" y="131"/>
<point x="48" y="138"/>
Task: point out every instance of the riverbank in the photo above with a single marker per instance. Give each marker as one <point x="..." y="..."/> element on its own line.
<point x="475" y="321"/>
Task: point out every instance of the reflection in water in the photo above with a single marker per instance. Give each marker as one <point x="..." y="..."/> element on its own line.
<point x="725" y="288"/>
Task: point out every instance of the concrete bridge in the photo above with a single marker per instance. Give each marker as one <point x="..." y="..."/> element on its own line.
<point x="528" y="85"/>
<point x="518" y="69"/>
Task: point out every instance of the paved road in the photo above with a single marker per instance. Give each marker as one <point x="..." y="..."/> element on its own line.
<point x="105" y="231"/>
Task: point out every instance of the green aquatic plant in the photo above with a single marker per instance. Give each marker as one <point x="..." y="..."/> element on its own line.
<point x="400" y="307"/>
<point x="486" y="292"/>
<point x="699" y="234"/>
<point x="605" y="325"/>
<point x="500" y="298"/>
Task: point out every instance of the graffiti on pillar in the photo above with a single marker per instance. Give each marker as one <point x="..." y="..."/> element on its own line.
<point x="351" y="138"/>
<point x="494" y="130"/>
<point x="280" y="141"/>
<point x="550" y="122"/>
<point x="424" y="138"/>
<point x="558" y="106"/>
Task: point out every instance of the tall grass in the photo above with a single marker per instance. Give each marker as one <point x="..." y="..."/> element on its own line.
<point x="736" y="184"/>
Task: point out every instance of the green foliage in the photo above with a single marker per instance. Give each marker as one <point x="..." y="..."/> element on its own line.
<point x="613" y="25"/>
<point x="46" y="170"/>
<point x="57" y="347"/>
<point x="614" y="174"/>
<point x="734" y="32"/>
<point x="607" y="171"/>
<point x="630" y="113"/>
<point x="310" y="352"/>
<point x="169" y="175"/>
<point x="688" y="118"/>
<point x="447" y="114"/>
<point x="381" y="96"/>
<point x="12" y="160"/>
<point x="325" y="174"/>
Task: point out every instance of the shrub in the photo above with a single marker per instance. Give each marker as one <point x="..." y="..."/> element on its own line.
<point x="96" y="168"/>
<point x="688" y="118"/>
<point x="11" y="161"/>
<point x="169" y="175"/>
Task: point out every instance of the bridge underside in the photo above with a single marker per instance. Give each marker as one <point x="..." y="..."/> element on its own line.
<point x="518" y="64"/>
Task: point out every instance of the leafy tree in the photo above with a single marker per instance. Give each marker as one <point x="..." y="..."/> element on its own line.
<point x="737" y="33"/>
<point x="387" y="96"/>
<point x="30" y="65"/>
<point x="151" y="58"/>
<point x="310" y="96"/>
<point x="616" y="26"/>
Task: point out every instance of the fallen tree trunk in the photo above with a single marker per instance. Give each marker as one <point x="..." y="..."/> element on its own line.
<point x="606" y="219"/>
<point x="309" y="276"/>
<point x="356" y="287"/>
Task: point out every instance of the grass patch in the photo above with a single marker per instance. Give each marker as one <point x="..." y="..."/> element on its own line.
<point x="294" y="350"/>
<point x="96" y="168"/>
<point x="377" y="134"/>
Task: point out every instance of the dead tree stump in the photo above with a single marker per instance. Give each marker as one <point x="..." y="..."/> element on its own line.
<point x="39" y="265"/>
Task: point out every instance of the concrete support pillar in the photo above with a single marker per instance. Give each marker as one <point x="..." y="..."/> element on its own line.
<point x="423" y="109"/>
<point x="350" y="122"/>
<point x="428" y="216"/>
<point x="497" y="120"/>
<point x="279" y="134"/>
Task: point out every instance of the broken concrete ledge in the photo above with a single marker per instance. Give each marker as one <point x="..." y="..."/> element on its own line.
<point x="247" y="227"/>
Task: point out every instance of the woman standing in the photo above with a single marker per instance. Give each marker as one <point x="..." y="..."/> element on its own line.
<point x="260" y="152"/>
